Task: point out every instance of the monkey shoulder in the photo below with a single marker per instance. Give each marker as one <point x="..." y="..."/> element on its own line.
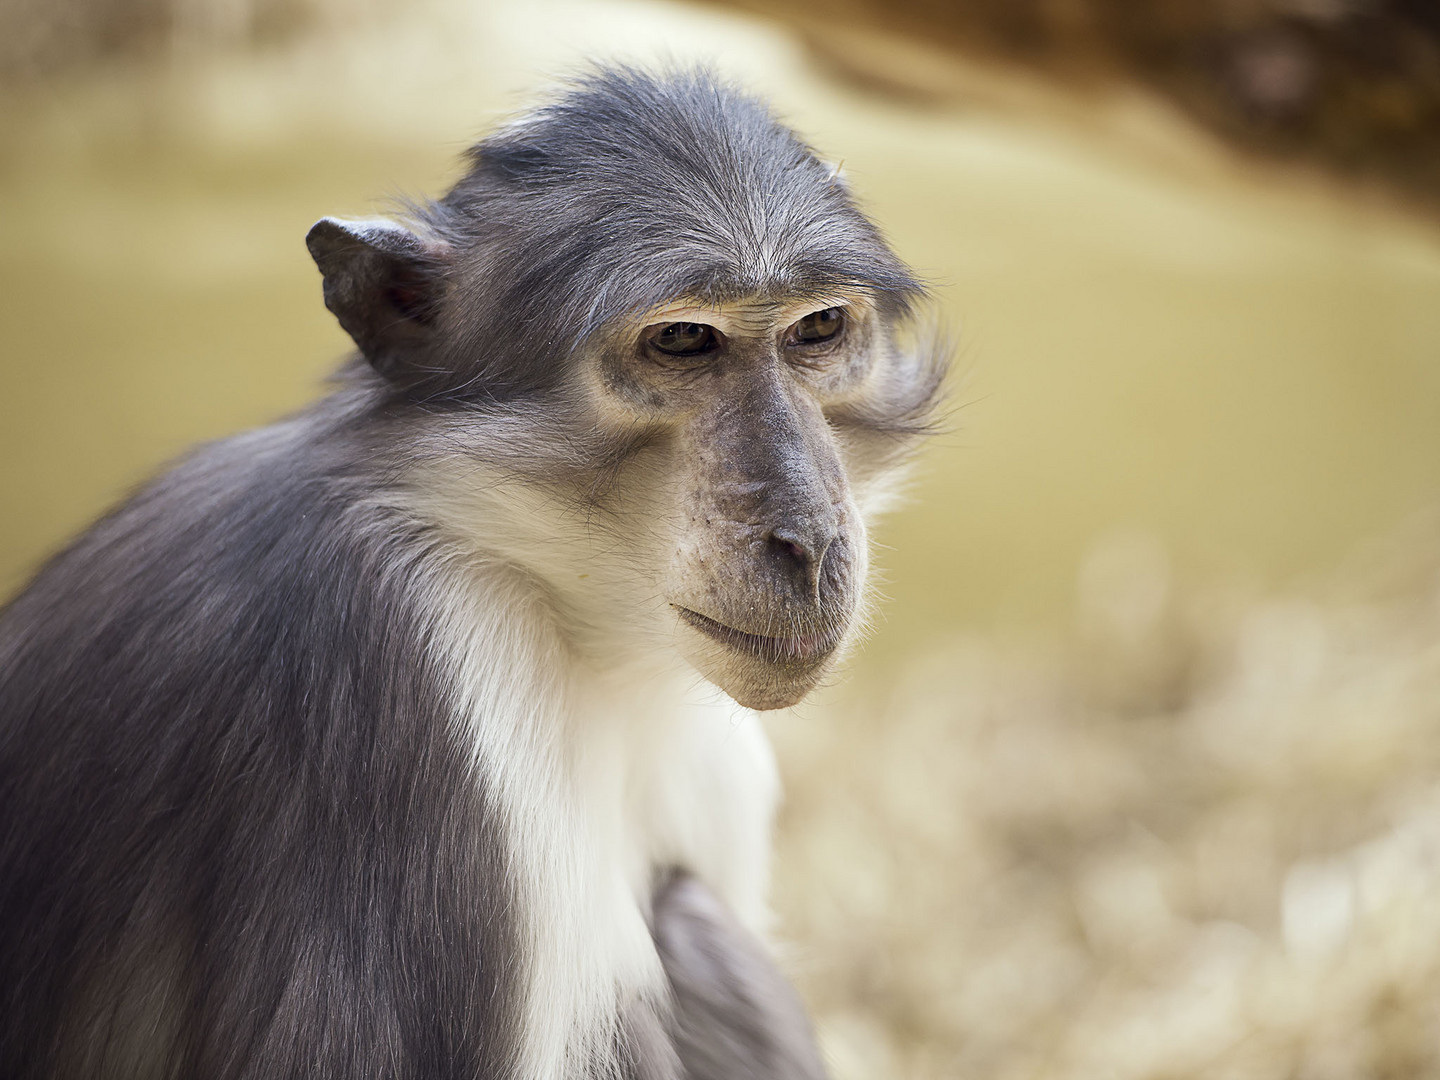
<point x="222" y="741"/>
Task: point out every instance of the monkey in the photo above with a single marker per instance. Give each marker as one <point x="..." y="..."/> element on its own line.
<point x="417" y="735"/>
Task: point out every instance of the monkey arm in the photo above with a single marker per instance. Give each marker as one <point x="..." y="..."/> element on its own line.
<point x="734" y="1014"/>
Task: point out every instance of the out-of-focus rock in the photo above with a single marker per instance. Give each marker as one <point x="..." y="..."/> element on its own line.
<point x="1350" y="86"/>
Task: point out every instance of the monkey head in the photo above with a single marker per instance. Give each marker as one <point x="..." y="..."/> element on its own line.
<point x="652" y="302"/>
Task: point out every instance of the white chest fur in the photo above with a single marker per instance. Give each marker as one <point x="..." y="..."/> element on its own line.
<point x="601" y="781"/>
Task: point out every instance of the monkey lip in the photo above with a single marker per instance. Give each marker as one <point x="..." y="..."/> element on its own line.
<point x="797" y="648"/>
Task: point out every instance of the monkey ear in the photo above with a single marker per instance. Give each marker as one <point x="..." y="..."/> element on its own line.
<point x="384" y="284"/>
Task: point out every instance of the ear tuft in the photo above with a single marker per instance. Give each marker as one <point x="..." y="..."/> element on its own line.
<point x="384" y="284"/>
<point x="835" y="174"/>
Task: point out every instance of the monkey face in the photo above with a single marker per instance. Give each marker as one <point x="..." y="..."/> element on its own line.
<point x="766" y="560"/>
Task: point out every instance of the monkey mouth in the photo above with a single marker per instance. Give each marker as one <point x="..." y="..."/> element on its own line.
<point x="797" y="648"/>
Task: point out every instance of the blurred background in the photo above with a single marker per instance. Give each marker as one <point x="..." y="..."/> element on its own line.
<point x="1139" y="776"/>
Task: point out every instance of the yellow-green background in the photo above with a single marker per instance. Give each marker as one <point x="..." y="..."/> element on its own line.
<point x="1243" y="364"/>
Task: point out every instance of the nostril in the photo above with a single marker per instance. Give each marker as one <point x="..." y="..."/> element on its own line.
<point x="790" y="550"/>
<point x="789" y="547"/>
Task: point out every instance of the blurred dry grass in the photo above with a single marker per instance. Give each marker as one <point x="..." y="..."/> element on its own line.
<point x="1196" y="836"/>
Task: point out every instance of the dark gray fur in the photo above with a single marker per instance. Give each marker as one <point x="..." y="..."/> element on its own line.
<point x="226" y="779"/>
<point x="238" y="833"/>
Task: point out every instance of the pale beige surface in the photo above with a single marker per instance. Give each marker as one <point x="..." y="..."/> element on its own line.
<point x="1186" y="390"/>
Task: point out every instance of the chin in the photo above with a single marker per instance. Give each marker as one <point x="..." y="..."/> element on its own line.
<point x="765" y="697"/>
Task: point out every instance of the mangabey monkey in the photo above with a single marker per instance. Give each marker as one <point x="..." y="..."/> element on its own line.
<point x="369" y="744"/>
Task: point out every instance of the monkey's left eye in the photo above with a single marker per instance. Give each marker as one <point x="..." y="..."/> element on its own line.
<point x="685" y="339"/>
<point x="818" y="326"/>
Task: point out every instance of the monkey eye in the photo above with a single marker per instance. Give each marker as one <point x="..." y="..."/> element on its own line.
<point x="685" y="339"/>
<point x="818" y="326"/>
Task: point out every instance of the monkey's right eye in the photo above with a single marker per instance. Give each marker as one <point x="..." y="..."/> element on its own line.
<point x="685" y="339"/>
